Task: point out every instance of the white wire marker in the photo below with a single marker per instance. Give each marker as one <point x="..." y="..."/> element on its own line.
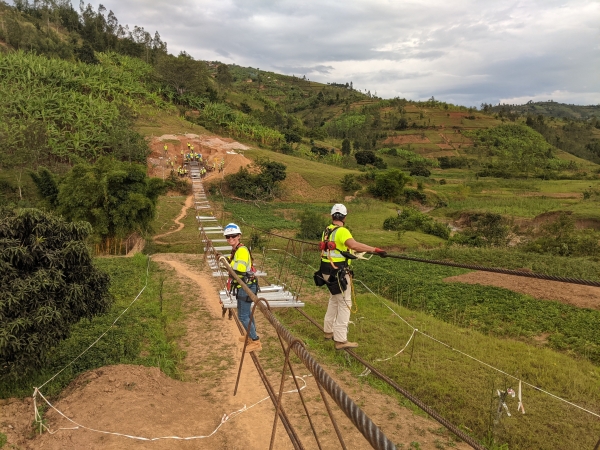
<point x="36" y="392"/>
<point x="415" y="330"/>
<point x="225" y="418"/>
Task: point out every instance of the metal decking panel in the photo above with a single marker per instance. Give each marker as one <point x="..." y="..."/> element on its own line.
<point x="230" y="304"/>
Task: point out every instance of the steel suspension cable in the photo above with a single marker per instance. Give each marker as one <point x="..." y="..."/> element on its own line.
<point x="518" y="273"/>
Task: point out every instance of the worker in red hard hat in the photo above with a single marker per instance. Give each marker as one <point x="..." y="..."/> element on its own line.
<point x="337" y="250"/>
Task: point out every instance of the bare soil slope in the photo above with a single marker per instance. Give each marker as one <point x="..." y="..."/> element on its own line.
<point x="571" y="294"/>
<point x="212" y="148"/>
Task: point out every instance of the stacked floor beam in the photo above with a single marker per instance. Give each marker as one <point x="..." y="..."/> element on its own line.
<point x="211" y="233"/>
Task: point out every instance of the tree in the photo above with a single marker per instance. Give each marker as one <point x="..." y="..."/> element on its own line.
<point x="365" y="157"/>
<point x="224" y="76"/>
<point x="346" y="150"/>
<point x="388" y="185"/>
<point x="116" y="198"/>
<point x="420" y="170"/>
<point x="47" y="186"/>
<point x="292" y="137"/>
<point x="183" y="73"/>
<point x="47" y="283"/>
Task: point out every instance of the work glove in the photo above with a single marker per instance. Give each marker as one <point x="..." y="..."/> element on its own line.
<point x="380" y="252"/>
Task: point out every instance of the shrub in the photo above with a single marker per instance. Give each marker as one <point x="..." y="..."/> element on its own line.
<point x="365" y="157"/>
<point x="388" y="185"/>
<point x="414" y="195"/>
<point x="179" y="185"/>
<point x="561" y="239"/>
<point x="484" y="230"/>
<point x="349" y="183"/>
<point x="411" y="219"/>
<point x="286" y="149"/>
<point x="47" y="283"/>
<point x="453" y="162"/>
<point x="256" y="242"/>
<point x="380" y="163"/>
<point x="420" y="171"/>
<point x="312" y="225"/>
<point x="260" y="186"/>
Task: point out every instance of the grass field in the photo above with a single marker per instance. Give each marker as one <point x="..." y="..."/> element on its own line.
<point x="145" y="335"/>
<point x="460" y="388"/>
<point x="316" y="174"/>
<point x="184" y="241"/>
<point x="156" y="122"/>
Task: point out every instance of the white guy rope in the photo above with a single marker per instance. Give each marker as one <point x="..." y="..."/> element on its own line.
<point x="415" y="330"/>
<point x="102" y="335"/>
<point x="403" y="348"/>
<point x="224" y="419"/>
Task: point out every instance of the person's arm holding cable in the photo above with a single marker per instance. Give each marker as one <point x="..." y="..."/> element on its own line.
<point x="360" y="247"/>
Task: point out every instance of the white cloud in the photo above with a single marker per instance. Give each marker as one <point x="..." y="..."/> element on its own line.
<point x="466" y="52"/>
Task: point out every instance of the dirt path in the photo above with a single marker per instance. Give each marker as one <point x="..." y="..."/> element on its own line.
<point x="571" y="294"/>
<point x="189" y="201"/>
<point x="142" y="401"/>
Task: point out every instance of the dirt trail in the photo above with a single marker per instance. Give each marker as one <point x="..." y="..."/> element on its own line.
<point x="189" y="201"/>
<point x="142" y="401"/>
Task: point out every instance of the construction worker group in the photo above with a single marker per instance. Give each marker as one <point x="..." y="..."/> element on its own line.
<point x="338" y="250"/>
<point x="194" y="157"/>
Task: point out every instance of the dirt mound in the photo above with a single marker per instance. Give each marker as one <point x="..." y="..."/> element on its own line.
<point x="212" y="148"/>
<point x="571" y="294"/>
<point x="136" y="401"/>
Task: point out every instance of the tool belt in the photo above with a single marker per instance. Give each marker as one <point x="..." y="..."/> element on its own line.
<point x="334" y="279"/>
<point x="250" y="279"/>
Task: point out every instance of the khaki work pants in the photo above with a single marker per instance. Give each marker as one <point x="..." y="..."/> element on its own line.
<point x="338" y="313"/>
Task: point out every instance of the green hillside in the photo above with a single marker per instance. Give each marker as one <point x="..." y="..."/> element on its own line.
<point x="548" y="109"/>
<point x="508" y="186"/>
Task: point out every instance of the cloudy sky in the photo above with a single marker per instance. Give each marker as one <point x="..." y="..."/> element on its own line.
<point x="462" y="51"/>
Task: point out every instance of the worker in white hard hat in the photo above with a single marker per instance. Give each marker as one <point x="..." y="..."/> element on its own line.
<point x="337" y="247"/>
<point x="241" y="262"/>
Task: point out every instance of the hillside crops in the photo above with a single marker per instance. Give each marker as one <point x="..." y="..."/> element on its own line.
<point x="238" y="124"/>
<point x="79" y="104"/>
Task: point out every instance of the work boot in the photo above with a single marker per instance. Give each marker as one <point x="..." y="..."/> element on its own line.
<point x="343" y="345"/>
<point x="327" y="336"/>
<point x="242" y="338"/>
<point x="254" y="346"/>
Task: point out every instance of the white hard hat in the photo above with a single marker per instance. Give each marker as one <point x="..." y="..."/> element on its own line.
<point x="230" y="229"/>
<point x="340" y="209"/>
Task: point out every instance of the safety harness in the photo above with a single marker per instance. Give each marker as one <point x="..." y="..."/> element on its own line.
<point x="327" y="246"/>
<point x="249" y="277"/>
